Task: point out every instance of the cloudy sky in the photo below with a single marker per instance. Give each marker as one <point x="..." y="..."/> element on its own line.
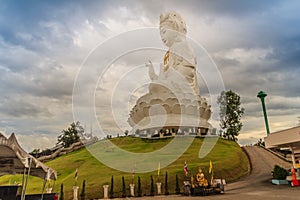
<point x="45" y="44"/>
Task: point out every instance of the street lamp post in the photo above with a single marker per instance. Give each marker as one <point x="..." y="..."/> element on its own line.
<point x="262" y="96"/>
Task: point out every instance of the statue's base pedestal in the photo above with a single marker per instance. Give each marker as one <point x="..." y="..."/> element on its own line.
<point x="48" y="190"/>
<point x="75" y="192"/>
<point x="131" y="190"/>
<point x="158" y="188"/>
<point x="105" y="191"/>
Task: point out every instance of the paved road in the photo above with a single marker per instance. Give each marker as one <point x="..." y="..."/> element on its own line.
<point x="256" y="185"/>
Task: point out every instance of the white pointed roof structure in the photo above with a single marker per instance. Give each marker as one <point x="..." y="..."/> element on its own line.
<point x="288" y="138"/>
<point x="14" y="159"/>
<point x="284" y="139"/>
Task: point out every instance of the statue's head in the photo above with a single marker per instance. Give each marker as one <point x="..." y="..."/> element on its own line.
<point x="200" y="170"/>
<point x="172" y="28"/>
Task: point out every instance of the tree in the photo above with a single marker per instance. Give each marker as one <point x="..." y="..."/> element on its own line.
<point x="139" y="189"/>
<point x="71" y="135"/>
<point x="82" y="194"/>
<point x="279" y="173"/>
<point x="126" y="133"/>
<point x="177" y="189"/>
<point x="260" y="143"/>
<point x="35" y="152"/>
<point x="137" y="132"/>
<point x="61" y="196"/>
<point x="123" y="188"/>
<point x="151" y="187"/>
<point x="166" y="184"/>
<point x="111" y="192"/>
<point x="230" y="114"/>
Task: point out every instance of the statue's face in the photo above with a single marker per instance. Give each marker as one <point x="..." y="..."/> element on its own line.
<point x="168" y="36"/>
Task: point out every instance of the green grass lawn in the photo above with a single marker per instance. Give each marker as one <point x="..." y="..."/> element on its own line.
<point x="228" y="159"/>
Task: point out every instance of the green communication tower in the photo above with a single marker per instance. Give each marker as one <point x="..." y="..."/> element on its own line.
<point x="262" y="96"/>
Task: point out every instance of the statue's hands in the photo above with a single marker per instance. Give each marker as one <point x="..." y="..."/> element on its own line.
<point x="149" y="64"/>
<point x="152" y="74"/>
<point x="163" y="67"/>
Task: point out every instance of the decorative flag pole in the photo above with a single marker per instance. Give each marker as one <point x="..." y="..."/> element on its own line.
<point x="158" y="171"/>
<point x="211" y="172"/>
<point x="76" y="176"/>
<point x="75" y="187"/>
<point x="185" y="169"/>
<point x="133" y="172"/>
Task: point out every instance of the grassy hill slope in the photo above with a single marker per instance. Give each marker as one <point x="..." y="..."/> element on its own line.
<point x="228" y="159"/>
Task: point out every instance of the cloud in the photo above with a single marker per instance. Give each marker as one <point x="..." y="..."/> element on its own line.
<point x="19" y="108"/>
<point x="43" y="141"/>
<point x="254" y="44"/>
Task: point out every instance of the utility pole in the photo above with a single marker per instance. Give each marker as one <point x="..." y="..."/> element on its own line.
<point x="262" y="96"/>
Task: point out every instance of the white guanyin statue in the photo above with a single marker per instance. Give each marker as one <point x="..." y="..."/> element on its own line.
<point x="180" y="56"/>
<point x="174" y="100"/>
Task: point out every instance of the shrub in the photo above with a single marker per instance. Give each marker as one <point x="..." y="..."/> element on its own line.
<point x="111" y="192"/>
<point x="279" y="173"/>
<point x="61" y="196"/>
<point x="152" y="187"/>
<point x="166" y="184"/>
<point x="139" y="189"/>
<point x="82" y="194"/>
<point x="123" y="188"/>
<point x="177" y="189"/>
